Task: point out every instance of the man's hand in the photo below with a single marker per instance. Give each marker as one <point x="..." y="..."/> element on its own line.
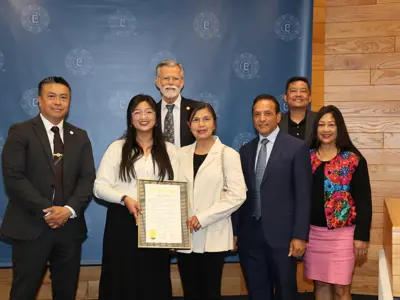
<point x="56" y="216"/>
<point x="194" y="224"/>
<point x="133" y="207"/>
<point x="297" y="248"/>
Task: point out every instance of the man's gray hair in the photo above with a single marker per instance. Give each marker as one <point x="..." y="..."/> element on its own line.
<point x="169" y="63"/>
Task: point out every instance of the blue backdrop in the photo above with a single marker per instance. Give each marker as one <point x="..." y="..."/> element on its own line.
<point x="232" y="50"/>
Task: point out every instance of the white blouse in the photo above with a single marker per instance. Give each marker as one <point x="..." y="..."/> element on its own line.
<point x="109" y="187"/>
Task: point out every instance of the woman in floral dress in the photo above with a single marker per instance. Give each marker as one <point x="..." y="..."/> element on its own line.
<point x="341" y="210"/>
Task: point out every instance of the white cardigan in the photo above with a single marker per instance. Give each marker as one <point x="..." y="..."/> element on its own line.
<point x="206" y="204"/>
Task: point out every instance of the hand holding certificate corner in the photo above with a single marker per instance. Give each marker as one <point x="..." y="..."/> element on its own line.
<point x="163" y="221"/>
<point x="133" y="207"/>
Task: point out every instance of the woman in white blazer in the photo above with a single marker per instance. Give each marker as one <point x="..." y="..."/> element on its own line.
<point x="210" y="222"/>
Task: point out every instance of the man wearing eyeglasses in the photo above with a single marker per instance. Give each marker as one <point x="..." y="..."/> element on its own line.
<point x="173" y="109"/>
<point x="298" y="121"/>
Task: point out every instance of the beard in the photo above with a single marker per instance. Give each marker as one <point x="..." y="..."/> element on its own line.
<point x="170" y="91"/>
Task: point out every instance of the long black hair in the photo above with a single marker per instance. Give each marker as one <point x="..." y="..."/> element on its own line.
<point x="132" y="151"/>
<point x="343" y="141"/>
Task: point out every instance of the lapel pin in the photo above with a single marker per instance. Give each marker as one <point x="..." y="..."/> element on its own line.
<point x="71" y="132"/>
<point x="187" y="107"/>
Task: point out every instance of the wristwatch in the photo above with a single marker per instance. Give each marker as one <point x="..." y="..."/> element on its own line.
<point x="123" y="199"/>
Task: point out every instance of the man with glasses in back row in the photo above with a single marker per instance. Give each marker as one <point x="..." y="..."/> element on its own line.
<point x="173" y="109"/>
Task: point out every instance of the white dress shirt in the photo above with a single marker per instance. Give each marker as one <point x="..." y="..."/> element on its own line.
<point x="109" y="187"/>
<point x="50" y="134"/>
<point x="271" y="141"/>
<point x="177" y="118"/>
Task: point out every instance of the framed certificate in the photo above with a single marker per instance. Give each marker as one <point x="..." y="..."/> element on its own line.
<point x="165" y="211"/>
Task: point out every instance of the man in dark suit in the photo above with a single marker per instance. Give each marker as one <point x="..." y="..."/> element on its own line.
<point x="272" y="226"/>
<point x="298" y="121"/>
<point x="173" y="109"/>
<point x="48" y="172"/>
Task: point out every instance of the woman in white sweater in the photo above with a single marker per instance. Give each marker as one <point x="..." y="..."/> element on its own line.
<point x="127" y="271"/>
<point x="201" y="165"/>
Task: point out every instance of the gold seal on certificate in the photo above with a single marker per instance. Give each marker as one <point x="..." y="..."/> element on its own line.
<point x="165" y="211"/>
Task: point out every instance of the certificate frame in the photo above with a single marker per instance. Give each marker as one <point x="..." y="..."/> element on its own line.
<point x="184" y="206"/>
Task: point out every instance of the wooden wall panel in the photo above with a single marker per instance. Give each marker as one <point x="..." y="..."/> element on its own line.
<point x="384" y="172"/>
<point x="361" y="13"/>
<point x="391" y="140"/>
<point x="347" y="77"/>
<point x="388" y="1"/>
<point x="360" y="45"/>
<point x="397" y="46"/>
<point x="369" y="109"/>
<point x="362" y="29"/>
<point x="363" y="61"/>
<point x="372" y="124"/>
<point x="348" y="2"/>
<point x="385" y="76"/>
<point x="362" y="78"/>
<point x="367" y="140"/>
<point x="382" y="156"/>
<point x="362" y="93"/>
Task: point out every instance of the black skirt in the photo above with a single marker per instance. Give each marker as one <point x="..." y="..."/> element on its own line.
<point x="129" y="272"/>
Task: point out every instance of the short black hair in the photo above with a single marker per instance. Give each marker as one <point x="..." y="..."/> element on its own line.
<point x="267" y="97"/>
<point x="53" y="79"/>
<point x="297" y="78"/>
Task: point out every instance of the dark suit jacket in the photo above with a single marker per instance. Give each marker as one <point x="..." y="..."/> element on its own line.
<point x="310" y="118"/>
<point x="29" y="177"/>
<point x="285" y="193"/>
<point x="186" y="136"/>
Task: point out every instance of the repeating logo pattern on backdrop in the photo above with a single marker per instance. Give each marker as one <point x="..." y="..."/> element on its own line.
<point x="29" y="102"/>
<point x="242" y="139"/>
<point x="35" y="18"/>
<point x="88" y="54"/>
<point x="118" y="103"/>
<point x="287" y="27"/>
<point x="209" y="98"/>
<point x="159" y="57"/>
<point x="123" y="22"/>
<point x="246" y="66"/>
<point x="1" y="60"/>
<point x="283" y="105"/>
<point x="206" y="25"/>
<point x="79" y="62"/>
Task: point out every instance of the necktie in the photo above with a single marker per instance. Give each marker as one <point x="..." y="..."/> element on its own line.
<point x="260" y="168"/>
<point x="169" y="124"/>
<point x="58" y="161"/>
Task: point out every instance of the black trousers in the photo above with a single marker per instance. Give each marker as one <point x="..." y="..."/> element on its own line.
<point x="201" y="275"/>
<point x="30" y="259"/>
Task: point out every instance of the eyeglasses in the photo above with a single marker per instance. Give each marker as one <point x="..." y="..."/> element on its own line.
<point x="147" y="113"/>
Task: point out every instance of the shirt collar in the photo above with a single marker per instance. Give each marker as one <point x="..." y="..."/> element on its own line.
<point x="177" y="102"/>
<point x="271" y="137"/>
<point x="48" y="125"/>
<point x="292" y="123"/>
